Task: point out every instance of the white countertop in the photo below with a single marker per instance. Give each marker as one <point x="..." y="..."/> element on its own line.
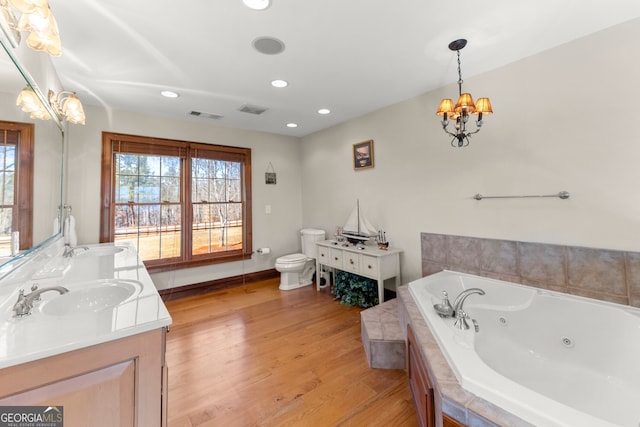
<point x="40" y="335"/>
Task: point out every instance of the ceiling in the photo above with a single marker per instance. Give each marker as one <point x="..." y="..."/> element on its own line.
<point x="351" y="57"/>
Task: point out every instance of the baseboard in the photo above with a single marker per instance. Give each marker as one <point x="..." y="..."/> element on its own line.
<point x="216" y="285"/>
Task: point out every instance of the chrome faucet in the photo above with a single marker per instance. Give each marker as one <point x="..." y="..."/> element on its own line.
<point x="23" y="306"/>
<point x="70" y="251"/>
<point x="461" y="316"/>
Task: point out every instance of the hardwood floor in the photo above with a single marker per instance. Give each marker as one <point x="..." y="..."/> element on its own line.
<point x="257" y="356"/>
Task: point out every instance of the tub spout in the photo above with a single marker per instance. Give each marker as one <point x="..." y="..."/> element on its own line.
<point x="461" y="316"/>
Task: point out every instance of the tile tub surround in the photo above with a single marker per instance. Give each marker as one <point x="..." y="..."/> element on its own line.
<point x="449" y="396"/>
<point x="382" y="337"/>
<point x="602" y="274"/>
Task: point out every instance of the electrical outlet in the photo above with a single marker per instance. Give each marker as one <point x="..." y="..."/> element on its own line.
<point x="267" y="209"/>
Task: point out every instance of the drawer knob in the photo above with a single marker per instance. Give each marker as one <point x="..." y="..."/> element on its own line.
<point x="369" y="266"/>
<point x="321" y="255"/>
<point x="336" y="258"/>
<point x="350" y="260"/>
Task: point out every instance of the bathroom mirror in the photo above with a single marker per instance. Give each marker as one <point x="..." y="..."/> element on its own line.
<point x="48" y="152"/>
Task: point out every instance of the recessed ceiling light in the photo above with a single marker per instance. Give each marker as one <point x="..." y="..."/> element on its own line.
<point x="324" y="111"/>
<point x="169" y="94"/>
<point x="279" y="83"/>
<point x="257" y="4"/>
<point x="292" y="125"/>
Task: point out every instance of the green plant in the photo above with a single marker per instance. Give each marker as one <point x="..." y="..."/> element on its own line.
<point x="354" y="290"/>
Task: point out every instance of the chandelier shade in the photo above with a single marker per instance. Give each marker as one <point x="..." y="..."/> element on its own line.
<point x="465" y="106"/>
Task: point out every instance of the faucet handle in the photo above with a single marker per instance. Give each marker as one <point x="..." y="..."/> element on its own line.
<point x="21" y="307"/>
<point x="444" y="309"/>
<point x="34" y="288"/>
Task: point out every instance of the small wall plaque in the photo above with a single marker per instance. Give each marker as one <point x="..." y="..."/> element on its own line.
<point x="270" y="175"/>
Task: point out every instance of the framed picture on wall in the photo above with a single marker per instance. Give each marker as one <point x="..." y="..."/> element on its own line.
<point x="363" y="155"/>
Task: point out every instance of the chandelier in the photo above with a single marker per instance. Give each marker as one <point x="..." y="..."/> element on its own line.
<point x="463" y="108"/>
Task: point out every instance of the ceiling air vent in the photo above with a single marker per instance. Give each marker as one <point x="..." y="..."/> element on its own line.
<point x="252" y="109"/>
<point x="206" y="115"/>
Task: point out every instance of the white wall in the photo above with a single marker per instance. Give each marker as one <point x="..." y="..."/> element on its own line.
<point x="278" y="230"/>
<point x="564" y="120"/>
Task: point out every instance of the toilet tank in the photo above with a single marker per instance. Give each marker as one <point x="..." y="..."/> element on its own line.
<point x="309" y="236"/>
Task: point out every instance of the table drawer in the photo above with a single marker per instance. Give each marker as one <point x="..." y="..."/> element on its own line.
<point x="351" y="262"/>
<point x="336" y="258"/>
<point x="324" y="257"/>
<point x="369" y="266"/>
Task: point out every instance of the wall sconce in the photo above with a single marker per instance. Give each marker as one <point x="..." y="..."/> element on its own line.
<point x="36" y="19"/>
<point x="29" y="102"/>
<point x="68" y="106"/>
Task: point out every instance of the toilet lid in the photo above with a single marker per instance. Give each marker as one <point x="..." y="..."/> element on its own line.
<point x="292" y="258"/>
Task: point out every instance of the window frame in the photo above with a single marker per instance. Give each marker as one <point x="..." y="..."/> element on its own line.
<point x="113" y="143"/>
<point x="22" y="218"/>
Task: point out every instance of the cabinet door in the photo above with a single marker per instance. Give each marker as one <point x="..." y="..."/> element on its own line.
<point x="369" y="266"/>
<point x="102" y="398"/>
<point x="421" y="388"/>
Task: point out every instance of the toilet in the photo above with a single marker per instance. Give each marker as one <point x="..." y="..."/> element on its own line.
<point x="296" y="270"/>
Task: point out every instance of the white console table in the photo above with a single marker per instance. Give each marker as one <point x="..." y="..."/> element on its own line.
<point x="369" y="262"/>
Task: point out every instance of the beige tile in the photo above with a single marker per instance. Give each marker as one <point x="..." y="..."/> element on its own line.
<point x="633" y="272"/>
<point x="597" y="270"/>
<point x="434" y="247"/>
<point x="463" y="252"/>
<point x="499" y="256"/>
<point x="542" y="263"/>
<point x="429" y="267"/>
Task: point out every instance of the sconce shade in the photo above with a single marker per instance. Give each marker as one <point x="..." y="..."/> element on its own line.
<point x="37" y="20"/>
<point x="446" y="106"/>
<point x="465" y="102"/>
<point x="28" y="101"/>
<point x="28" y="6"/>
<point x="72" y="110"/>
<point x="41" y="114"/>
<point x="483" y="106"/>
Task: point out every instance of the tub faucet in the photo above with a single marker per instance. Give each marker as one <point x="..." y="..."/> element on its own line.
<point x="461" y="316"/>
<point x="23" y="306"/>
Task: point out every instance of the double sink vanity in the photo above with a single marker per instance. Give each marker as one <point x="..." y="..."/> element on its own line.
<point x="93" y="344"/>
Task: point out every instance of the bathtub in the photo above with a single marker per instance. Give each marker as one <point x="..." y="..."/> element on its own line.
<point x="549" y="358"/>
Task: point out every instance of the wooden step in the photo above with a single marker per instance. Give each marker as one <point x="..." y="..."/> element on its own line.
<point x="382" y="336"/>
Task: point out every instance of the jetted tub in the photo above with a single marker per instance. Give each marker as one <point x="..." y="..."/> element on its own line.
<point x="549" y="358"/>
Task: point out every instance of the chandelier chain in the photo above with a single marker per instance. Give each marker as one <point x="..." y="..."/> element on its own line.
<point x="459" y="75"/>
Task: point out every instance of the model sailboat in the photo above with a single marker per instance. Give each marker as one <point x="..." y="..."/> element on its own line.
<point x="358" y="228"/>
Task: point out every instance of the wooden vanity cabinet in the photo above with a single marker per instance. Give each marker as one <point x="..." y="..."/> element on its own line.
<point x="421" y="387"/>
<point x="117" y="383"/>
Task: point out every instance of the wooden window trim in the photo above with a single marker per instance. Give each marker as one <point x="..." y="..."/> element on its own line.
<point x="116" y="142"/>
<point x="23" y="218"/>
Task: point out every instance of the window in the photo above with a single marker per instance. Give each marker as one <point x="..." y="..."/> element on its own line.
<point x="181" y="204"/>
<point x="16" y="184"/>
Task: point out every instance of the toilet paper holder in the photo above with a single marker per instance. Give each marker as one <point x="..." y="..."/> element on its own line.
<point x="263" y="251"/>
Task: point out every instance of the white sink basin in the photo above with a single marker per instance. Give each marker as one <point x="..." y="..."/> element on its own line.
<point x="99" y="251"/>
<point x="92" y="296"/>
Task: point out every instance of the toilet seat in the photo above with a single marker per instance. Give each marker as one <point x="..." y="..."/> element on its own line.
<point x="291" y="259"/>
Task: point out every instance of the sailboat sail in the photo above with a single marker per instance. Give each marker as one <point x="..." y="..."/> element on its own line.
<point x="358" y="225"/>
